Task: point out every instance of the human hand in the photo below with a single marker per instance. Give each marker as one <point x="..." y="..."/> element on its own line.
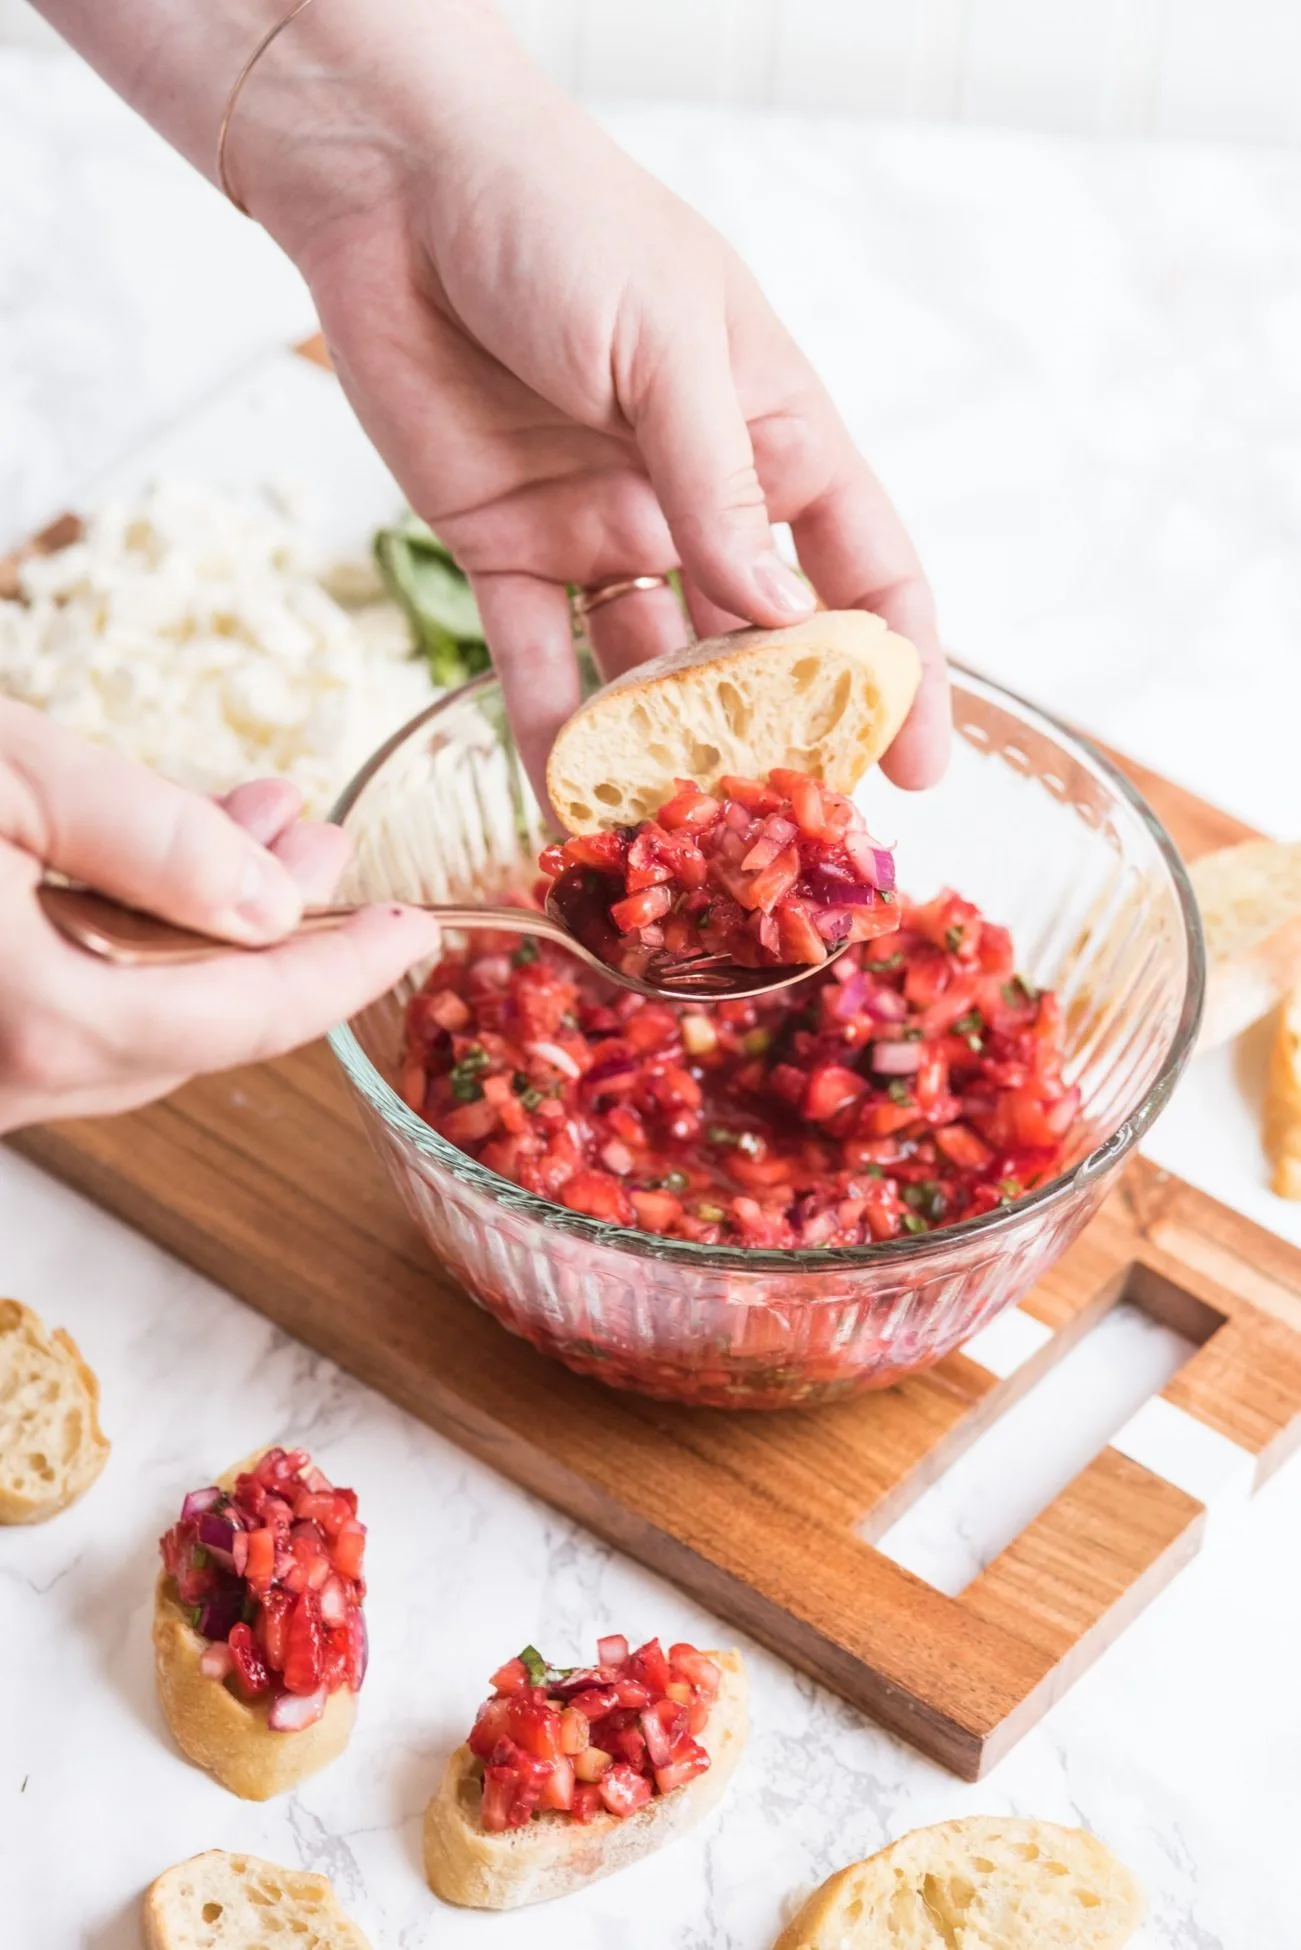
<point x="570" y="373"/>
<point x="79" y="1037"/>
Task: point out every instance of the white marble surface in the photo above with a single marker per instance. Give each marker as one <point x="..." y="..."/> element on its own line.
<point x="1078" y="371"/>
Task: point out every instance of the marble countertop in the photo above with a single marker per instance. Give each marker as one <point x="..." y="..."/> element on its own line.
<point x="1078" y="371"/>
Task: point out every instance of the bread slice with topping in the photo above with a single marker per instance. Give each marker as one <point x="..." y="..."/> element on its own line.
<point x="229" y="1737"/>
<point x="554" y="1854"/>
<point x="983" y="1883"/>
<point x="825" y="696"/>
<point x="218" y="1901"/>
<point x="1283" y="1100"/>
<point x="51" y="1445"/>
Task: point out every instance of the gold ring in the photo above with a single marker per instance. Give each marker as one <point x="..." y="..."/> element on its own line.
<point x="609" y="592"/>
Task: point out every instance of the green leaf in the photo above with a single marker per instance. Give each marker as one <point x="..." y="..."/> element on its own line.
<point x="424" y="579"/>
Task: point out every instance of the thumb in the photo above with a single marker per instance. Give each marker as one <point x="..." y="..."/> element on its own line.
<point x="126" y="832"/>
<point x="696" y="446"/>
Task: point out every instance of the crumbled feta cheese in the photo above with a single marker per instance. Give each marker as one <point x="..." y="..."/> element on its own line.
<point x="192" y="630"/>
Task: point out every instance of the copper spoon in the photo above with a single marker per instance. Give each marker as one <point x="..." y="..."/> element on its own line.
<point x="131" y="939"/>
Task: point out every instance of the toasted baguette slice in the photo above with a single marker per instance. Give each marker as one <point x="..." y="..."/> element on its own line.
<point x="236" y="1902"/>
<point x="1283" y="1100"/>
<point x="825" y="696"/>
<point x="1250" y="898"/>
<point x="51" y="1445"/>
<point x="226" y="1736"/>
<point x="555" y="1855"/>
<point x="985" y="1883"/>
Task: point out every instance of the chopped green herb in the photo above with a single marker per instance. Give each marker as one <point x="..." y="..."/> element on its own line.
<point x="953" y="938"/>
<point x="464" y="1074"/>
<point x="873" y="1171"/>
<point x="912" y="1034"/>
<point x="535" y="1665"/>
<point x="883" y="967"/>
<point x="1008" y="1189"/>
<point x="196" y="1612"/>
<point x="898" y="1091"/>
<point x="969" y="1025"/>
<point x="749" y="1143"/>
<point x="710" y="1215"/>
<point x="912" y="1223"/>
<point x="430" y="586"/>
<point x="528" y="1093"/>
<point x="1018" y="990"/>
<point x="569" y="1020"/>
<point x="525" y="953"/>
<point x="676" y="1182"/>
<point x="199" y="1557"/>
<point x="926" y="1198"/>
<point x="757" y="1042"/>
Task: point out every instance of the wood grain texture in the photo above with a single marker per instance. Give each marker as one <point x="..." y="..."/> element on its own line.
<point x="264" y="1180"/>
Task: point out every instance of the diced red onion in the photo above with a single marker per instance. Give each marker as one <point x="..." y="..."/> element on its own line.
<point x="616" y="1157"/>
<point x="831" y="889"/>
<point x="885" y="1005"/>
<point x="239" y="1551"/>
<point x="217" y="1661"/>
<point x="334" y="1603"/>
<point x="853" y="993"/>
<point x="897" y="1059"/>
<point x="612" y="1651"/>
<point x="220" y="1610"/>
<point x="291" y="1712"/>
<point x="491" y="971"/>
<point x="618" y="1064"/>
<point x="363" y="1644"/>
<point x="761" y="854"/>
<point x="781" y="830"/>
<point x="217" y="1534"/>
<point x="658" y="1744"/>
<point x="885" y="870"/>
<point x="558" y="1058"/>
<point x="832" y="923"/>
<point x="736" y="816"/>
<point x="316" y="1480"/>
<point x="198" y="1501"/>
<point x="874" y="863"/>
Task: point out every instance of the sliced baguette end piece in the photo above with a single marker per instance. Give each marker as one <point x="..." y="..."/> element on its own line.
<point x="1250" y="901"/>
<point x="51" y="1445"/>
<point x="553" y="1855"/>
<point x="219" y="1901"/>
<point x="987" y="1882"/>
<point x="825" y="696"/>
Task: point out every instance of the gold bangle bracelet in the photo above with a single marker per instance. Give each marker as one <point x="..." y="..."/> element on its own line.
<point x="223" y="179"/>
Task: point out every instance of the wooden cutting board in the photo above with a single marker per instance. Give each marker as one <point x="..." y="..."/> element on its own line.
<point x="264" y="1180"/>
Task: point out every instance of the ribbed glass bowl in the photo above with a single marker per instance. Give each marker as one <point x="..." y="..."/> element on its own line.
<point x="1031" y="824"/>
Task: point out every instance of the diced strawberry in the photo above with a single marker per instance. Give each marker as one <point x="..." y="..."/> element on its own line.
<point x="640" y="909"/>
<point x="600" y="1196"/>
<point x="559" y="1787"/>
<point x="799" y="941"/>
<point x="251" y="1674"/>
<point x="830" y="1088"/>
<point x="260" y="1560"/>
<point x="697" y="1669"/>
<point x="689" y="807"/>
<point x="623" y="1790"/>
<point x="688" y="1761"/>
<point x="513" y="1677"/>
<point x="349" y="1548"/>
<point x="304" y="1651"/>
<point x="587" y="1803"/>
<point x="498" y="1801"/>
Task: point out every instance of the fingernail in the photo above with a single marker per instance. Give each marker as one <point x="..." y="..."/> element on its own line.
<point x="268" y="901"/>
<point x="782" y="587"/>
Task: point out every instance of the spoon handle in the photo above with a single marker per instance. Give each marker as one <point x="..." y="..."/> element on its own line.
<point x="131" y="939"/>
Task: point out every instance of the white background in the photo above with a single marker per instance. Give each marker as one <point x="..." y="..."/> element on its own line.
<point x="1228" y="68"/>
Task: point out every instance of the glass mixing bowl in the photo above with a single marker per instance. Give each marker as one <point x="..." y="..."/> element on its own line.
<point x="1030" y="823"/>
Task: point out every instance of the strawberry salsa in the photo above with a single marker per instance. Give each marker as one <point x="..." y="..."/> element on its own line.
<point x="270" y="1574"/>
<point x="775" y="873"/>
<point x="915" y="1082"/>
<point x="595" y="1739"/>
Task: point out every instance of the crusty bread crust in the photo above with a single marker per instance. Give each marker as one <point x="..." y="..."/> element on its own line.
<point x="554" y="1855"/>
<point x="983" y="1883"/>
<point x="51" y="1445"/>
<point x="226" y="1736"/>
<point x="217" y="1901"/>
<point x="825" y="696"/>
<point x="1250" y="901"/>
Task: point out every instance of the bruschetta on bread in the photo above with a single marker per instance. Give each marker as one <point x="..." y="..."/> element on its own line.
<point x="51" y="1445"/>
<point x="984" y="1883"/>
<point x="218" y="1901"/>
<point x="259" y="1630"/>
<point x="825" y="696"/>
<point x="570" y="1775"/>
